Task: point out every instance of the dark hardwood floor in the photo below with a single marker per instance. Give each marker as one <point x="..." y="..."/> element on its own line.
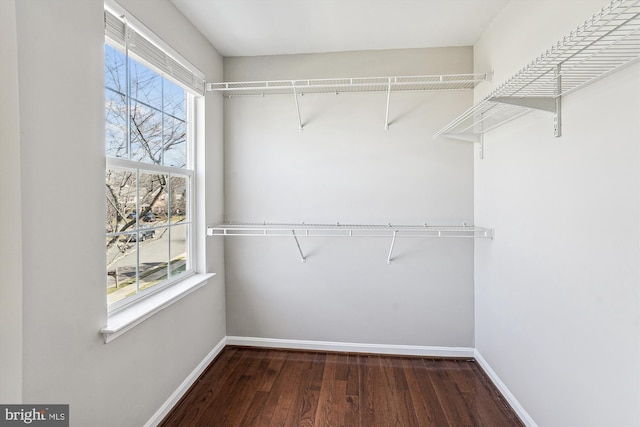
<point x="265" y="387"/>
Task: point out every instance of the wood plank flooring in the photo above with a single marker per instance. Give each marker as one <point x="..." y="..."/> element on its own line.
<point x="266" y="387"/>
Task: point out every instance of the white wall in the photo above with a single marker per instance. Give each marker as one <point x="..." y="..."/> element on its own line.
<point x="10" y="213"/>
<point x="344" y="167"/>
<point x="557" y="295"/>
<point x="60" y="60"/>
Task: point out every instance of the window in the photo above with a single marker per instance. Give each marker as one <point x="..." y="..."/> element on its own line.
<point x="150" y="165"/>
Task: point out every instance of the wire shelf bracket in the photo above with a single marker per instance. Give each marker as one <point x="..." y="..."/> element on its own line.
<point x="605" y="43"/>
<point x="551" y="104"/>
<point x="295" y="96"/>
<point x="303" y="259"/>
<point x="348" y="230"/>
<point x="393" y="242"/>
<point x="386" y="117"/>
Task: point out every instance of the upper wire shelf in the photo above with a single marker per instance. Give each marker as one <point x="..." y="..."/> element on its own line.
<point x="442" y="82"/>
<point x="350" y="84"/>
<point x="605" y="43"/>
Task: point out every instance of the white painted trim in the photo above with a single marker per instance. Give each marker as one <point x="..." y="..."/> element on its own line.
<point x="511" y="399"/>
<point x="123" y="320"/>
<point x="406" y="350"/>
<point x="186" y="384"/>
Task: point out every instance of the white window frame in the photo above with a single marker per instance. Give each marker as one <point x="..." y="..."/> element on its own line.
<point x="130" y="311"/>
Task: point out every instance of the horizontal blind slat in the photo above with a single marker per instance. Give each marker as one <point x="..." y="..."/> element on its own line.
<point x="114" y="28"/>
<point x="117" y="30"/>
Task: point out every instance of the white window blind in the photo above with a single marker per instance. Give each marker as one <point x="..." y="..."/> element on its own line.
<point x="120" y="29"/>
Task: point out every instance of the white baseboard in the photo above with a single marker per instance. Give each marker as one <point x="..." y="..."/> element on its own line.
<point x="405" y="350"/>
<point x="511" y="399"/>
<point x="184" y="387"/>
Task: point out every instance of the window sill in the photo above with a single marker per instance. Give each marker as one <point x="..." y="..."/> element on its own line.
<point x="120" y="322"/>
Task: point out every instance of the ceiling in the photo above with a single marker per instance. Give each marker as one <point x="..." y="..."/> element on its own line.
<point x="275" y="27"/>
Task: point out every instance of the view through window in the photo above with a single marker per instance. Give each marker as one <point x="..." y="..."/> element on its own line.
<point x="149" y="178"/>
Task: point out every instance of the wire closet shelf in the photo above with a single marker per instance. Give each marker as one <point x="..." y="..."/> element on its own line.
<point x="605" y="43"/>
<point x="349" y="85"/>
<point x="348" y="230"/>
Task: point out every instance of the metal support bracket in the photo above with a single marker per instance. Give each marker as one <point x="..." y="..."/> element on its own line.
<point x="552" y="104"/>
<point x="393" y="242"/>
<point x="303" y="259"/>
<point x="386" y="119"/>
<point x="545" y="103"/>
<point x="295" y="96"/>
<point x="557" y="114"/>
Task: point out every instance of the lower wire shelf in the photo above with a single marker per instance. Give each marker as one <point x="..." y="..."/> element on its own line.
<point x="349" y="230"/>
